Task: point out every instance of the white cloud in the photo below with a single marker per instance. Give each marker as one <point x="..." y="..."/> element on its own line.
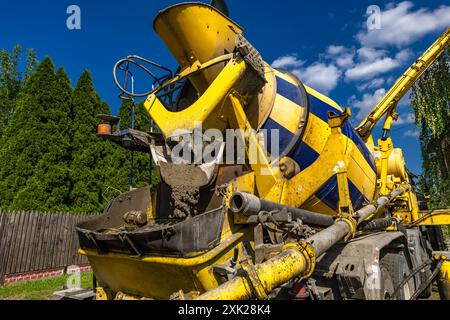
<point x="322" y="77"/>
<point x="402" y="25"/>
<point x="288" y="61"/>
<point x="371" y="84"/>
<point x="404" y="119"/>
<point x="367" y="54"/>
<point x="340" y="56"/>
<point x="415" y="133"/>
<point x="335" y="50"/>
<point x="366" y="104"/>
<point x="372" y="65"/>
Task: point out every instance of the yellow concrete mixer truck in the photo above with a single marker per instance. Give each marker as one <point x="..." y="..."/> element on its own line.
<point x="266" y="191"/>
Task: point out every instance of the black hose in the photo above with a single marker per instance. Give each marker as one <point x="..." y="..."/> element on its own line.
<point x="377" y="224"/>
<point x="249" y="205"/>
<point x="412" y="274"/>
<point x="429" y="281"/>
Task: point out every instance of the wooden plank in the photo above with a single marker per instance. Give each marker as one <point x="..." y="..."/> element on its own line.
<point x="34" y="244"/>
<point x="15" y="243"/>
<point x="8" y="239"/>
<point x="59" y="241"/>
<point x="62" y="256"/>
<point x="11" y="226"/>
<point x="24" y="246"/>
<point x="68" y="256"/>
<point x="44" y="249"/>
<point x="21" y="243"/>
<point x="38" y="239"/>
<point x="28" y="240"/>
<point x="52" y="238"/>
<point x="3" y="241"/>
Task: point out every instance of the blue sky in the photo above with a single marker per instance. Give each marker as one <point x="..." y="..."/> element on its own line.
<point x="326" y="43"/>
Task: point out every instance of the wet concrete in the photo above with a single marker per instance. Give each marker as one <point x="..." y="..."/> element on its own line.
<point x="185" y="182"/>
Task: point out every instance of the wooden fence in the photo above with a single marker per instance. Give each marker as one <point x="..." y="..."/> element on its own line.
<point x="33" y="242"/>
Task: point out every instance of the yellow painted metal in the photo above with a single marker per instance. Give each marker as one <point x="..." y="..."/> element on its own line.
<point x="163" y="275"/>
<point x="345" y="203"/>
<point x="197" y="32"/>
<point x="444" y="280"/>
<point x="205" y="111"/>
<point x="433" y="218"/>
<point x="293" y="261"/>
<point x="339" y="152"/>
<point x="400" y="88"/>
<point x="267" y="177"/>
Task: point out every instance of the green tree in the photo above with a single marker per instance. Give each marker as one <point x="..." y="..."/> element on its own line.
<point x="89" y="153"/>
<point x="28" y="137"/>
<point x="10" y="84"/>
<point x="49" y="187"/>
<point x="431" y="103"/>
<point x="32" y="63"/>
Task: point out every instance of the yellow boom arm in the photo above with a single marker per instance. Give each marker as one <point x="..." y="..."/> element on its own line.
<point x="389" y="102"/>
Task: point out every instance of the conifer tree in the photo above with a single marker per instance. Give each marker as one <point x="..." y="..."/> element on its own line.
<point x="25" y="141"/>
<point x="49" y="187"/>
<point x="10" y="84"/>
<point x="88" y="152"/>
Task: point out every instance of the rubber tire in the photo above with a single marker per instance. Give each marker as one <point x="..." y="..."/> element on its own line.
<point x="397" y="266"/>
<point x="424" y="277"/>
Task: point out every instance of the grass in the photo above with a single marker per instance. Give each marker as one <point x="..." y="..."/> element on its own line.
<point x="41" y="289"/>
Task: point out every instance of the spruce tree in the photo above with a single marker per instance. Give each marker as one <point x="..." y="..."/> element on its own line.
<point x="31" y="63"/>
<point x="25" y="141"/>
<point x="88" y="168"/>
<point x="10" y="84"/>
<point x="49" y="187"/>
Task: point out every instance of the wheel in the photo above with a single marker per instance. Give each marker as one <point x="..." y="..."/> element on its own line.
<point x="398" y="269"/>
<point x="425" y="275"/>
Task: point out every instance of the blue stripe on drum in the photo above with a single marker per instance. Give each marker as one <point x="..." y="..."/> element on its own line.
<point x="284" y="134"/>
<point x="352" y="135"/>
<point x="320" y="109"/>
<point x="304" y="155"/>
<point x="291" y="92"/>
<point x="329" y="195"/>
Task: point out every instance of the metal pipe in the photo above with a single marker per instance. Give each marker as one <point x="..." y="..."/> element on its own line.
<point x="292" y="262"/>
<point x="380" y="203"/>
<point x="249" y="205"/>
<point x="325" y="239"/>
<point x="269" y="276"/>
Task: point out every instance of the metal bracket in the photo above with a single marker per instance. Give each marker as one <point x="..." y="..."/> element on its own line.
<point x="251" y="275"/>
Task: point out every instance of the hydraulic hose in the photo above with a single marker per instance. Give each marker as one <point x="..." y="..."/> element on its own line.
<point x="428" y="282"/>
<point x="412" y="274"/>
